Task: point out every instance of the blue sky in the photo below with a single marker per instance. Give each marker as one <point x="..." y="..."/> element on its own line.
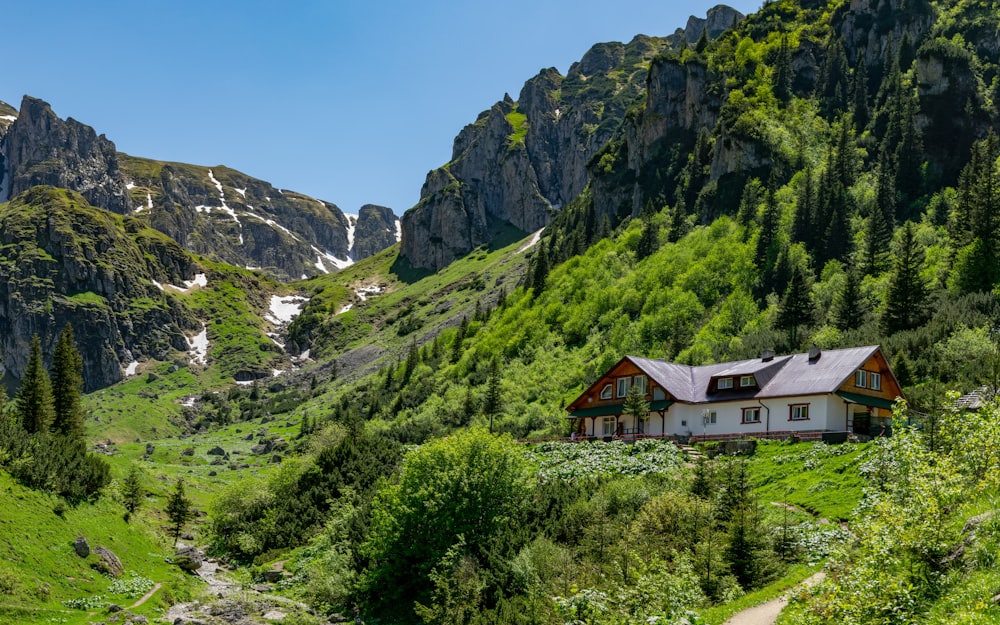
<point x="350" y="102"/>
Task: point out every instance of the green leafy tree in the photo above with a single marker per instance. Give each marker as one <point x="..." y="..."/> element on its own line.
<point x="34" y="397"/>
<point x="469" y="486"/>
<point x="67" y="386"/>
<point x="636" y="405"/>
<point x="178" y="510"/>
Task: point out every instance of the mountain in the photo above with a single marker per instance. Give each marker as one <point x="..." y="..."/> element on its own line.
<point x="217" y="212"/>
<point x="520" y="162"/>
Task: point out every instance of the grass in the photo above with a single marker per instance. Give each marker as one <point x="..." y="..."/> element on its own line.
<point x="822" y="479"/>
<point x="39" y="569"/>
<point x="519" y="122"/>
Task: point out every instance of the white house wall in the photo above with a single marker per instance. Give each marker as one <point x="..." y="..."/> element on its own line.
<point x="826" y="412"/>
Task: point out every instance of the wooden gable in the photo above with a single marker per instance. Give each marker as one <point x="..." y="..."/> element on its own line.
<point x="597" y="394"/>
<point x="863" y="385"/>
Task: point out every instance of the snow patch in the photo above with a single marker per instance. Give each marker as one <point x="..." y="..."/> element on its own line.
<point x="399" y="231"/>
<point x="198" y="346"/>
<point x="242" y="192"/>
<point x="224" y="208"/>
<point x="189" y="402"/>
<point x="352" y="226"/>
<point x="276" y="226"/>
<point x="9" y="118"/>
<point x="245" y="382"/>
<point x="345" y="309"/>
<point x="531" y="242"/>
<point x="130" y="185"/>
<point x="365" y="292"/>
<point x="284" y="309"/>
<point x="276" y="372"/>
<point x="322" y="256"/>
<point x="200" y="279"/>
<point x="304" y="355"/>
<point x="131" y="368"/>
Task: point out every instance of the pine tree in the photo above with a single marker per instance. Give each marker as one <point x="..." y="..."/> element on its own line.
<point x="860" y="110"/>
<point x="649" y="240"/>
<point x="878" y="237"/>
<point x="178" y="510"/>
<point x="540" y="270"/>
<point x="67" y="386"/>
<point x="34" y="398"/>
<point x="457" y="345"/>
<point x="906" y="299"/>
<point x="493" y="401"/>
<point x="803" y="226"/>
<point x="783" y="71"/>
<point x="132" y="492"/>
<point x="412" y="360"/>
<point x="848" y="306"/>
<point x="796" y="306"/>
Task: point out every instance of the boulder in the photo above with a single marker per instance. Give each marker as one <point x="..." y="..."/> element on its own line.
<point x="108" y="563"/>
<point x="188" y="559"/>
<point x="81" y="547"/>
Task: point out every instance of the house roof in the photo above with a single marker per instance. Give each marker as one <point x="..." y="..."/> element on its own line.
<point x="781" y="376"/>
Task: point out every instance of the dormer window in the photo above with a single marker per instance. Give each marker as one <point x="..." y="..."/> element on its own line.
<point x="606" y="391"/>
<point x="747" y="380"/>
<point x="875" y="381"/>
<point x="861" y="378"/>
<point x="724" y="383"/>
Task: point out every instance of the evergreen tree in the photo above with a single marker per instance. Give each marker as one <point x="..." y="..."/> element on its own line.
<point x="493" y="401"/>
<point x="540" y="269"/>
<point x="34" y="398"/>
<point x="803" y="225"/>
<point x="832" y="84"/>
<point x="768" y="243"/>
<point x="977" y="215"/>
<point x="906" y="299"/>
<point x="796" y="306"/>
<point x="782" y="76"/>
<point x="649" y="240"/>
<point x="457" y="345"/>
<point x="178" y="510"/>
<point x="132" y="492"/>
<point x="412" y="360"/>
<point x="753" y="193"/>
<point x="878" y="237"/>
<point x="636" y="405"/>
<point x="67" y="386"/>
<point x="860" y="111"/>
<point x="848" y="306"/>
<point x="678" y="222"/>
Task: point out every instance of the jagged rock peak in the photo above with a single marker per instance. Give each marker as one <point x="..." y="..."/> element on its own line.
<point x="42" y="149"/>
<point x="376" y="229"/>
<point x="718" y="20"/>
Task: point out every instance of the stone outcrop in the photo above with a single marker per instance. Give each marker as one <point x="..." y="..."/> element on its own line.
<point x="520" y="162"/>
<point x="108" y="563"/>
<point x="63" y="261"/>
<point x="42" y="149"/>
<point x="376" y="229"/>
<point x="217" y="212"/>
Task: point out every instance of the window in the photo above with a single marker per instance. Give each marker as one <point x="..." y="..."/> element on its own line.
<point x="876" y="381"/>
<point x="861" y="378"/>
<point x="708" y="417"/>
<point x="798" y="412"/>
<point x="724" y="383"/>
<point x="639" y="381"/>
<point x="747" y="380"/>
<point x="622" y="387"/>
<point x="608" y="426"/>
<point x="606" y="391"/>
<point x="751" y="415"/>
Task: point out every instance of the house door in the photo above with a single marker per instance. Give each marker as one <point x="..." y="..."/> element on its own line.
<point x="862" y="423"/>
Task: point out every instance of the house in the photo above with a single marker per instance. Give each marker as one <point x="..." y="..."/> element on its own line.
<point x="840" y="390"/>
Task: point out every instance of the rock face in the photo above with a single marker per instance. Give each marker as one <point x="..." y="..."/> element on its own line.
<point x="63" y="261"/>
<point x="41" y="149"/>
<point x="376" y="229"/>
<point x="521" y="161"/>
<point x="109" y="562"/>
<point x="217" y="212"/>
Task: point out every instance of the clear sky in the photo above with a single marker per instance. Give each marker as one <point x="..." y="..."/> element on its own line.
<point x="352" y="102"/>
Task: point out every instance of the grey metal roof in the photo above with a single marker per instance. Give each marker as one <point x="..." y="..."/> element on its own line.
<point x="781" y="376"/>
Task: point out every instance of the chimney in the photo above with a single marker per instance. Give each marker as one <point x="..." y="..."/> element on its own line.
<point x="814" y="354"/>
<point x="767" y="355"/>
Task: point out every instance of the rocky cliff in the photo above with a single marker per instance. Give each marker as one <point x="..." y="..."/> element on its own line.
<point x="63" y="261"/>
<point x="218" y="212"/>
<point x="376" y="228"/>
<point x="521" y="161"/>
<point x="41" y="149"/>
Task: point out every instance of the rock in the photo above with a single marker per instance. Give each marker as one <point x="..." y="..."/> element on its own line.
<point x="81" y="547"/>
<point x="276" y="458"/>
<point x="274" y="615"/>
<point x="108" y="563"/>
<point x="216" y="451"/>
<point x="188" y="451"/>
<point x="212" y="473"/>
<point x="272" y="576"/>
<point x="139" y="619"/>
<point x="150" y="448"/>
<point x="188" y="559"/>
<point x="114" y="607"/>
<point x="375" y="230"/>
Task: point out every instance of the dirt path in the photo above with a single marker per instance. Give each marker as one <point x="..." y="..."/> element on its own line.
<point x="767" y="613"/>
<point x="146" y="596"/>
